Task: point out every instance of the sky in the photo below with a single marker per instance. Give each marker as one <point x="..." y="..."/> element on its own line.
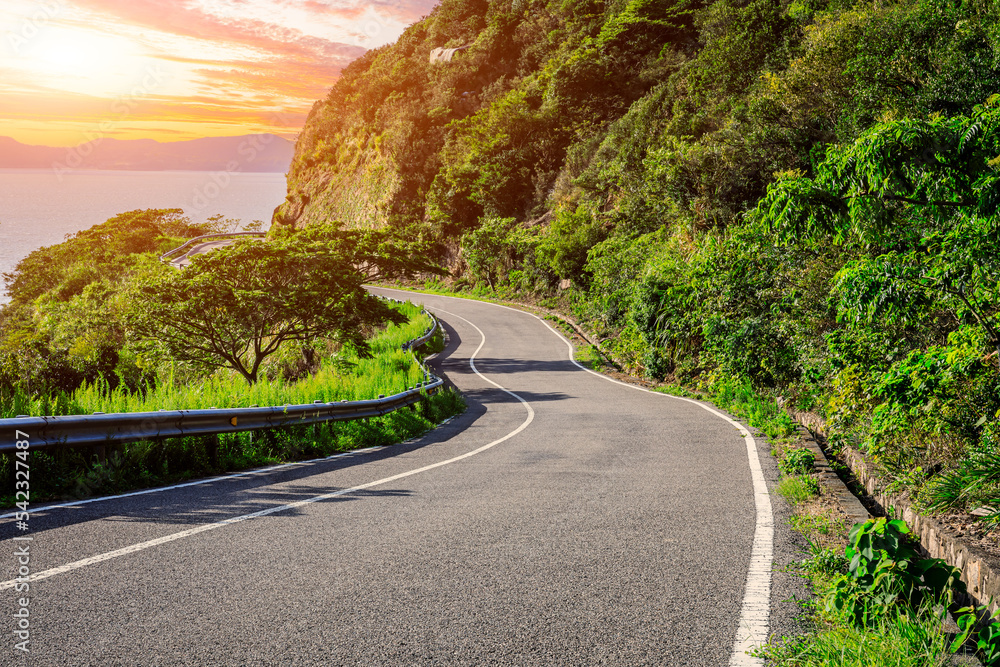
<point x="72" y="71"/>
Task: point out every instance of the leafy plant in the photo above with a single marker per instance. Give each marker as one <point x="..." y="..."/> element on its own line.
<point x="825" y="561"/>
<point x="885" y="573"/>
<point x="974" y="482"/>
<point x="797" y="461"/>
<point x="987" y="638"/>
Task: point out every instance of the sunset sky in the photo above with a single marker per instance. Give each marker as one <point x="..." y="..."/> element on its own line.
<point x="75" y="70"/>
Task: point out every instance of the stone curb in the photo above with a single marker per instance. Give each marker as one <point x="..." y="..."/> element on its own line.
<point x="828" y="477"/>
<point x="980" y="571"/>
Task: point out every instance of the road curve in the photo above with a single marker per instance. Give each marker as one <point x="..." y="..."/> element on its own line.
<point x="564" y="519"/>
<point x="198" y="249"/>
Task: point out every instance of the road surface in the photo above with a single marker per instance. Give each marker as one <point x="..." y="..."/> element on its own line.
<point x="198" y="249"/>
<point x="563" y="519"/>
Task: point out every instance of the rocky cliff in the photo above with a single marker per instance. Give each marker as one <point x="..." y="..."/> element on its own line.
<point x="473" y="110"/>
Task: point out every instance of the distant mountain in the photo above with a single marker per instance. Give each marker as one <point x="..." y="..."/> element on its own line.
<point x="253" y="152"/>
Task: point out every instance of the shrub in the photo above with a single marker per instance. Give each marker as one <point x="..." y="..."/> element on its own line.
<point x="797" y="461"/>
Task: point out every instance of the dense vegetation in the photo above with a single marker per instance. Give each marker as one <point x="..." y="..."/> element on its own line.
<point x="98" y="324"/>
<point x="799" y="196"/>
<point x="881" y="605"/>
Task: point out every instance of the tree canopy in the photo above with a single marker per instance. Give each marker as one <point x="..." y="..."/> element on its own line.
<point x="923" y="196"/>
<point x="237" y="305"/>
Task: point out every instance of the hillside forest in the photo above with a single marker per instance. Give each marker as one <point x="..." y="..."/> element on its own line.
<point x="743" y="199"/>
<point x="795" y="196"/>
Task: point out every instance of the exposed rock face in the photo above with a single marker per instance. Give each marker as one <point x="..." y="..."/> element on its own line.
<point x="288" y="212"/>
<point x="369" y="152"/>
<point x="485" y="108"/>
<point x="357" y="193"/>
<point x="391" y="142"/>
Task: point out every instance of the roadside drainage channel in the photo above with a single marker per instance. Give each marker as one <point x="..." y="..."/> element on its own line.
<point x="828" y="477"/>
<point x="980" y="570"/>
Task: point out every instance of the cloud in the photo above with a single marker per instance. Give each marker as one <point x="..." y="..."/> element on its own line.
<point x="303" y="79"/>
<point x="185" y="18"/>
<point x="235" y="63"/>
<point x="92" y="114"/>
<point x="404" y="13"/>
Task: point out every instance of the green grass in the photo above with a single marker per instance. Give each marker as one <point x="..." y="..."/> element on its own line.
<point x="390" y="371"/>
<point x="798" y="488"/>
<point x="813" y="525"/>
<point x="763" y="412"/>
<point x="79" y="473"/>
<point x="589" y="356"/>
<point x="897" y="640"/>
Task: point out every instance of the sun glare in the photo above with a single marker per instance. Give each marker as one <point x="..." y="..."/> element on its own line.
<point x="85" y="61"/>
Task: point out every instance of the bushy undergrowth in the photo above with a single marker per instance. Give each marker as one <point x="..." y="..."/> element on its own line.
<point x="78" y="473"/>
<point x="760" y="410"/>
<point x="881" y="605"/>
<point x="796" y="461"/>
<point x="344" y="376"/>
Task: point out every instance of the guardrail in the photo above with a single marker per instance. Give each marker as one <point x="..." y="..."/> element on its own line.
<point x="102" y="429"/>
<point x="164" y="256"/>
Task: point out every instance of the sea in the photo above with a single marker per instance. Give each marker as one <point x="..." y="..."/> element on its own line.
<point x="40" y="207"/>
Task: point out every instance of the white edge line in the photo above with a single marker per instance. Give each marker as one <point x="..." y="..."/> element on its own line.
<point x="197" y="482"/>
<point x="209" y="480"/>
<point x="100" y="558"/>
<point x="753" y="625"/>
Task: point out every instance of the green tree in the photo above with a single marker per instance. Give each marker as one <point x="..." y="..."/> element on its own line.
<point x="494" y="247"/>
<point x="920" y="198"/>
<point x="236" y="306"/>
<point x="569" y="239"/>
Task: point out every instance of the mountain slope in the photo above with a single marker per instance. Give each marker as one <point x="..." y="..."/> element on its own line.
<point x="798" y="196"/>
<point x="402" y="139"/>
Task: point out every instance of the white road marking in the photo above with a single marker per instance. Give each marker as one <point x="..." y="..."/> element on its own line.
<point x="755" y="610"/>
<point x="198" y="482"/>
<point x="173" y="537"/>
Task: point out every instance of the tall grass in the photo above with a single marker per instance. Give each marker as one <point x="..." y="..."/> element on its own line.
<point x="83" y="472"/>
<point x="897" y="640"/>
<point x="389" y="371"/>
<point x="798" y="488"/>
<point x="763" y="412"/>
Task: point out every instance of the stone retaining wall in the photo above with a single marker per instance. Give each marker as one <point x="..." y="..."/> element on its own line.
<point x="980" y="570"/>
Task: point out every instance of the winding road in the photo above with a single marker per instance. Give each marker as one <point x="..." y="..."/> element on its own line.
<point x="563" y="519"/>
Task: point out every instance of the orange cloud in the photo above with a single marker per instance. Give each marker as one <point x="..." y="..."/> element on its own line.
<point x="405" y="13"/>
<point x="185" y="18"/>
<point x="260" y="61"/>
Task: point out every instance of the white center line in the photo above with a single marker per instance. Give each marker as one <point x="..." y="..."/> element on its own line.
<point x="755" y="610"/>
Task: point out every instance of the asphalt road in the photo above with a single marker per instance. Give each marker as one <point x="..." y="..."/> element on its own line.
<point x="562" y="520"/>
<point x="198" y="249"/>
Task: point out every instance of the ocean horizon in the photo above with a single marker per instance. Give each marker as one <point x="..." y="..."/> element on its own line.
<point x="40" y="207"/>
